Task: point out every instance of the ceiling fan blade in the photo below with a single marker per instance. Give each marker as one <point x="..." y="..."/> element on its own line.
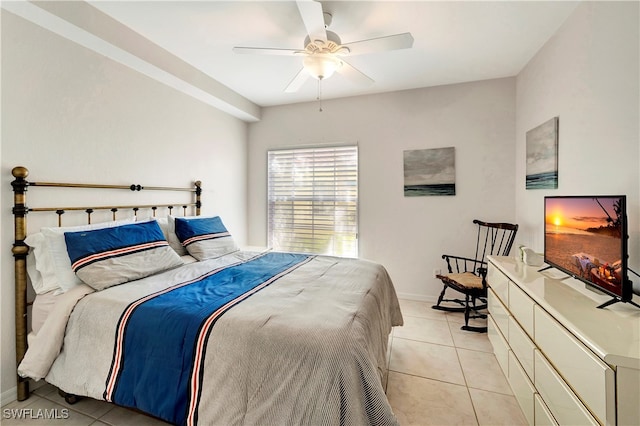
<point x="267" y="51"/>
<point x="297" y="81"/>
<point x="380" y="44"/>
<point x="354" y="75"/>
<point x="311" y="13"/>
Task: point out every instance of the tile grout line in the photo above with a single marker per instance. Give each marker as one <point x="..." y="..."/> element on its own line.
<point x="70" y="407"/>
<point x="475" y="412"/>
<point x="429" y="378"/>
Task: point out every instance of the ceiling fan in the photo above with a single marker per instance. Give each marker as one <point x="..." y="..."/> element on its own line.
<point x="324" y="53"/>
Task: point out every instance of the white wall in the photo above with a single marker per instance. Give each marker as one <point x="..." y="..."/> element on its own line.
<point x="587" y="74"/>
<point x="69" y="114"/>
<point x="407" y="235"/>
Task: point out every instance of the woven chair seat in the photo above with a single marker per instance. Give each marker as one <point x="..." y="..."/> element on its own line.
<point x="464" y="279"/>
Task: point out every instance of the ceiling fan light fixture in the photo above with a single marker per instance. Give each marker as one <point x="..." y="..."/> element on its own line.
<point x="321" y="66"/>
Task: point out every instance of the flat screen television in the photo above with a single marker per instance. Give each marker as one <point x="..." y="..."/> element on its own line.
<point x="586" y="237"/>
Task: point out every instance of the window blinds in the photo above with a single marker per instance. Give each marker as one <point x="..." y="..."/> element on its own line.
<point x="313" y="200"/>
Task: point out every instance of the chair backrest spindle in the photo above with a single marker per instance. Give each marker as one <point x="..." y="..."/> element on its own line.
<point x="494" y="239"/>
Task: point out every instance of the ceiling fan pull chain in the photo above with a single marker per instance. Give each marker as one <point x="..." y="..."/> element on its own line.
<point x="320" y="94"/>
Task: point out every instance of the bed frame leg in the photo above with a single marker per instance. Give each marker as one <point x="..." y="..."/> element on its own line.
<point x="68" y="397"/>
<point x="22" y="388"/>
<point x="20" y="251"/>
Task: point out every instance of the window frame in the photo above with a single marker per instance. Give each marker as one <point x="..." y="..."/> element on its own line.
<point x="315" y="237"/>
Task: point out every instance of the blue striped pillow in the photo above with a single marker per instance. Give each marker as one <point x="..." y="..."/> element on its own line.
<point x="106" y="257"/>
<point x="204" y="237"/>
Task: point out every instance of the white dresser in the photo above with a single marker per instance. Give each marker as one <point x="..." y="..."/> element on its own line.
<point x="567" y="361"/>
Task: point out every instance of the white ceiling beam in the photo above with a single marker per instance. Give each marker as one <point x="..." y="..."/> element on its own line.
<point x="87" y="26"/>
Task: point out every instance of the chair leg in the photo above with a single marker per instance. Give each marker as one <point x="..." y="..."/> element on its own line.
<point x="476" y="308"/>
<point x="467" y="315"/>
<point x="467" y="310"/>
<point x="444" y="288"/>
<point x="448" y="308"/>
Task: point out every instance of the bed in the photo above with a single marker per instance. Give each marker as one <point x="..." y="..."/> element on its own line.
<point x="203" y="332"/>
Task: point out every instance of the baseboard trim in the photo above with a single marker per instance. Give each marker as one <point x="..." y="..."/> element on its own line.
<point x="8" y="396"/>
<point x="417" y="297"/>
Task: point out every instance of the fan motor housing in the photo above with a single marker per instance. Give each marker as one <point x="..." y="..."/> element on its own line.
<point x="332" y="45"/>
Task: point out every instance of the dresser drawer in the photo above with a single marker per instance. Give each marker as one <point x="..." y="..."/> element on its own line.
<point x="499" y="283"/>
<point x="543" y="416"/>
<point x="521" y="307"/>
<point x="522" y="346"/>
<point x="522" y="388"/>
<point x="628" y="389"/>
<point x="500" y="345"/>
<point x="591" y="379"/>
<point x="562" y="402"/>
<point x="499" y="312"/>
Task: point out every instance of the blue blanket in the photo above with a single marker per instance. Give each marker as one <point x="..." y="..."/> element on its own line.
<point x="161" y="339"/>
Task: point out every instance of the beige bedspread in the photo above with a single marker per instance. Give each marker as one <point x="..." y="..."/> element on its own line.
<point x="308" y="349"/>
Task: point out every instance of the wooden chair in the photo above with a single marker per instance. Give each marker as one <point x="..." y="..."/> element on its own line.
<point x="468" y="275"/>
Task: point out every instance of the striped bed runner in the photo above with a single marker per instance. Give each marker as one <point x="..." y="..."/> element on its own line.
<point x="161" y="339"/>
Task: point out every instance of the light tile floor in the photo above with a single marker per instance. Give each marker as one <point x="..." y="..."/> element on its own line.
<point x="441" y="375"/>
<point x="438" y="375"/>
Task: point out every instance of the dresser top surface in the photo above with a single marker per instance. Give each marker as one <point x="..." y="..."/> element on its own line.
<point x="613" y="333"/>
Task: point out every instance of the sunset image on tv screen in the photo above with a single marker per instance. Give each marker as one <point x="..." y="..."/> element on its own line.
<point x="583" y="236"/>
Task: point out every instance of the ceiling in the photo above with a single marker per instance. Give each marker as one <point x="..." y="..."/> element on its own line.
<point x="454" y="41"/>
<point x="189" y="44"/>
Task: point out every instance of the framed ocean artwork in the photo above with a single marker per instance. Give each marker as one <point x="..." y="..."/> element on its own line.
<point x="429" y="172"/>
<point x="542" y="156"/>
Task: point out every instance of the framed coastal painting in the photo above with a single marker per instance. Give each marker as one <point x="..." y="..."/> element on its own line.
<point x="429" y="172"/>
<point x="542" y="156"/>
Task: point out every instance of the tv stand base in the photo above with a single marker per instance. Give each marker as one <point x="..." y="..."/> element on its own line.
<point x="616" y="300"/>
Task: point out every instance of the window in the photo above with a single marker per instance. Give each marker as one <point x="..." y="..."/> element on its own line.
<point x="313" y="200"/>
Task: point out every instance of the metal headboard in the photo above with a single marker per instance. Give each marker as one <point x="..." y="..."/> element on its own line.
<point x="20" y="249"/>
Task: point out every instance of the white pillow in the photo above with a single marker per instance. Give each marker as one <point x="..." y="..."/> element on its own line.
<point x="39" y="283"/>
<point x="52" y="260"/>
<point x="174" y="242"/>
<point x="168" y="227"/>
<point x="163" y="222"/>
